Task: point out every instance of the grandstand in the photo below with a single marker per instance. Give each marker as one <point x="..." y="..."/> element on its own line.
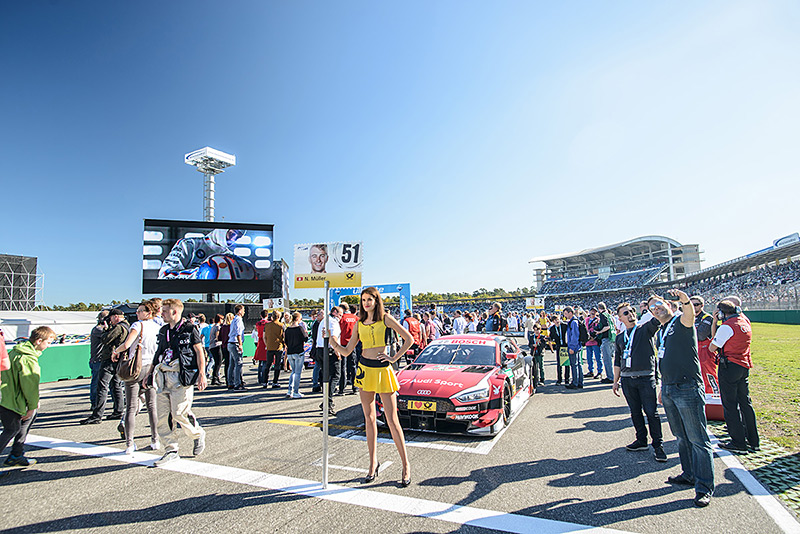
<point x="624" y="266"/>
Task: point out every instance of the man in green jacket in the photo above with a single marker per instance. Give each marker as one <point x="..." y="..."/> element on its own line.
<point x="20" y="394"/>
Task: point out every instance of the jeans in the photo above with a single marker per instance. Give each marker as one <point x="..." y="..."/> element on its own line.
<point x="14" y="428"/>
<point x="740" y="417"/>
<point x="640" y="393"/>
<point x="296" y="365"/>
<point x="106" y="376"/>
<point x="685" y="405"/>
<point x="95" y="368"/>
<point x="317" y="372"/>
<point x="592" y="355"/>
<point x="607" y="350"/>
<point x="234" y="365"/>
<point x="577" y="368"/>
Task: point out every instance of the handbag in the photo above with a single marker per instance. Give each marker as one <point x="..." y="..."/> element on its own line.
<point x="563" y="356"/>
<point x="130" y="365"/>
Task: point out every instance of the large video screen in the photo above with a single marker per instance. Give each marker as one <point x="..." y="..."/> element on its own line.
<point x="206" y="257"/>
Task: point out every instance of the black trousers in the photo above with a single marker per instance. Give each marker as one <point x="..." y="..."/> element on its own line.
<point x="216" y="355"/>
<point x="14" y="428"/>
<point x="105" y="378"/>
<point x="274" y="360"/>
<point x="334" y="368"/>
<point x="640" y="393"/>
<point x="734" y="388"/>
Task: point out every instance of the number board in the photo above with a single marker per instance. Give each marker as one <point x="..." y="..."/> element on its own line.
<point x="339" y="263"/>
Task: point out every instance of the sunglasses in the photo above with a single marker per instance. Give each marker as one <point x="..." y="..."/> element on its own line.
<point x="656" y="303"/>
<point x="627" y="312"/>
<point x="696" y="304"/>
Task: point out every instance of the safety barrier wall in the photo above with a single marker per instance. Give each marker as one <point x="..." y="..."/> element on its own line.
<point x="774" y="316"/>
<point x="66" y="362"/>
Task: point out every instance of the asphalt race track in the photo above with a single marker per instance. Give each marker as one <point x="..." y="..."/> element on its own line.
<point x="561" y="466"/>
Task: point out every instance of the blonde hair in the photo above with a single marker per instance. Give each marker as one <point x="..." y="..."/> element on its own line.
<point x="175" y="304"/>
<point x="228" y="318"/>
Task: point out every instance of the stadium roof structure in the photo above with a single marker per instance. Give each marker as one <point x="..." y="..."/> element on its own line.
<point x="629" y="247"/>
<point x="742" y="263"/>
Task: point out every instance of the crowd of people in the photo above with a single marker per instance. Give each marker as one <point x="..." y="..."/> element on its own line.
<point x="650" y="349"/>
<point x="592" y="284"/>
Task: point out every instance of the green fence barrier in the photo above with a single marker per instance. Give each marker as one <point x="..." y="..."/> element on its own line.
<point x="774" y="316"/>
<point x="67" y="362"/>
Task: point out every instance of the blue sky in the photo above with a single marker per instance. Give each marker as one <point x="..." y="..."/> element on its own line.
<point x="455" y="139"/>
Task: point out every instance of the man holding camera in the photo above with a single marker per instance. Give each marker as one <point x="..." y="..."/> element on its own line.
<point x="732" y="345"/>
<point x="115" y="333"/>
<point x="683" y="394"/>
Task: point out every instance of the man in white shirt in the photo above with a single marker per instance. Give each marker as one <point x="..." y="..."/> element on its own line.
<point x="459" y="324"/>
<point x="513" y="324"/>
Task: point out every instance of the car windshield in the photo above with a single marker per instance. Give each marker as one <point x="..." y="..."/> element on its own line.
<point x="457" y="354"/>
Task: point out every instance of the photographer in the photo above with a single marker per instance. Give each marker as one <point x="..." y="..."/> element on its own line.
<point x="115" y="333"/>
<point x="732" y="345"/>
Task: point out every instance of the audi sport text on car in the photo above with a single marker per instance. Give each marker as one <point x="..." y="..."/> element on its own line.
<point x="471" y="383"/>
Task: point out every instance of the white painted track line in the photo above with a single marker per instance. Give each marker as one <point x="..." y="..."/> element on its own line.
<point x="451" y="513"/>
<point x="769" y="502"/>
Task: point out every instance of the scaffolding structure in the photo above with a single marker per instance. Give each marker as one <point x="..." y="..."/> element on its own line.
<point x="20" y="284"/>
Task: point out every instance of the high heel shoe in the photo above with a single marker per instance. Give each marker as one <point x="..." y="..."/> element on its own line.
<point x="405" y="482"/>
<point x="370" y="477"/>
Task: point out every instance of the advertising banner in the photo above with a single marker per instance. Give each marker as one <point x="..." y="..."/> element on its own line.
<point x="274" y="305"/>
<point x="534" y="303"/>
<point x="206" y="257"/>
<point x="339" y="263"/>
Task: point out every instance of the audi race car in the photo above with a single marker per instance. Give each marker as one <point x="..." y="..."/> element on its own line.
<point x="472" y="383"/>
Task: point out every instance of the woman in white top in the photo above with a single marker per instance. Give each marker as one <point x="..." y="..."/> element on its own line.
<point x="143" y="333"/>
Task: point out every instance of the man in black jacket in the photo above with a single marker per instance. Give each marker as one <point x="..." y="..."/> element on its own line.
<point x="175" y="371"/>
<point x="114" y="336"/>
<point x="635" y="369"/>
<point x="558" y="334"/>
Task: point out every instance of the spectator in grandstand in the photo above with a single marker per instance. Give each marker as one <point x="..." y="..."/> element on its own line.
<point x="215" y="349"/>
<point x="572" y="338"/>
<point x="296" y="335"/>
<point x="495" y="322"/>
<point x="683" y="395"/>
<point x="178" y="365"/>
<point x="635" y="371"/>
<point x="143" y="336"/>
<point x="114" y="336"/>
<point x="19" y="394"/>
<point x="593" y="346"/>
<point x="558" y="333"/>
<point x="732" y="344"/>
<point x="347" y="322"/>
<point x="274" y="343"/>
<point x="606" y="334"/>
<point x="459" y="323"/>
<point x="261" y="350"/>
<point x="236" y="348"/>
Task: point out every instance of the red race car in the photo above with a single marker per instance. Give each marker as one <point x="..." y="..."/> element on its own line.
<point x="471" y="383"/>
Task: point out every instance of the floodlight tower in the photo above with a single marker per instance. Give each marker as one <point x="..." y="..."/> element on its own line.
<point x="210" y="162"/>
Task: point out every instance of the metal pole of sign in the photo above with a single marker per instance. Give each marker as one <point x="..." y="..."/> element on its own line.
<point x="326" y="384"/>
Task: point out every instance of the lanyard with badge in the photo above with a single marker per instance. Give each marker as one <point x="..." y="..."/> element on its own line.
<point x="661" y="336"/>
<point x="626" y="354"/>
<point x="168" y="351"/>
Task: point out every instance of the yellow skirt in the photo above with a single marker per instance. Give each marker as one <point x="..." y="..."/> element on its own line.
<point x="377" y="379"/>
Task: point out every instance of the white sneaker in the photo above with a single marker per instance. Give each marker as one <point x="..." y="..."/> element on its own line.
<point x="298" y="396"/>
<point x="155" y="445"/>
<point x="167" y="458"/>
<point x="130" y="449"/>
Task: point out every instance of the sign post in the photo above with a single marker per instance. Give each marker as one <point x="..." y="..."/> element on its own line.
<point x="312" y="269"/>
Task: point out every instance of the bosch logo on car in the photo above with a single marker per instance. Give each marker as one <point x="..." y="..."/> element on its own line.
<point x="423" y="392"/>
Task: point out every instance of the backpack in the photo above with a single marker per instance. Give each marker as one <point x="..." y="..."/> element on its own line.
<point x="583" y="333"/>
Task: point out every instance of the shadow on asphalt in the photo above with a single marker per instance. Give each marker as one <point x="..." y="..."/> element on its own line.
<point x="214" y="502"/>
